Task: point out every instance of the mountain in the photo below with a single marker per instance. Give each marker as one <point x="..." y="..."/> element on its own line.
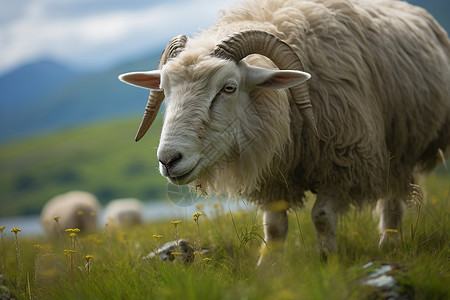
<point x="23" y="85"/>
<point x="46" y="96"/>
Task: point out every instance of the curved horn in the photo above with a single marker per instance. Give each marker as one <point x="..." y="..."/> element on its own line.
<point x="173" y="48"/>
<point x="238" y="45"/>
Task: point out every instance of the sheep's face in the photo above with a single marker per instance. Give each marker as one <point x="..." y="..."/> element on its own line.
<point x="206" y="106"/>
<point x="201" y="108"/>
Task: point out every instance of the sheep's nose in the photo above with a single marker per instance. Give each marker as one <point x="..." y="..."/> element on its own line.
<point x="172" y="161"/>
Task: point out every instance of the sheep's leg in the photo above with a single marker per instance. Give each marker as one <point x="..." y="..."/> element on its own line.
<point x="275" y="230"/>
<point x="324" y="216"/>
<point x="391" y="212"/>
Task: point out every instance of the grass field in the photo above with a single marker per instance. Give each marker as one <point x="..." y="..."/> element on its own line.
<point x="43" y="268"/>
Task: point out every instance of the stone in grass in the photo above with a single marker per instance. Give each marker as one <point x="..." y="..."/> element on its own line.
<point x="386" y="278"/>
<point x="170" y="251"/>
<point x="6" y="294"/>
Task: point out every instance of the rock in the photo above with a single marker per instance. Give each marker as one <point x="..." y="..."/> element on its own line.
<point x="6" y="294"/>
<point x="384" y="277"/>
<point x="169" y="252"/>
<point x="166" y="251"/>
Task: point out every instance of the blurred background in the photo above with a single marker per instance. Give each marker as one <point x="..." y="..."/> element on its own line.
<point x="66" y="122"/>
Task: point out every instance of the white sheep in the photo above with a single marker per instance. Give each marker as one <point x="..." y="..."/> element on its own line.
<point x="378" y="99"/>
<point x="75" y="209"/>
<point x="124" y="213"/>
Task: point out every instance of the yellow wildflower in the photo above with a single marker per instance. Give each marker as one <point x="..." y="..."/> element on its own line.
<point x="16" y="230"/>
<point x="198" y="253"/>
<point x="80" y="213"/>
<point x="72" y="234"/>
<point x="2" y="228"/>
<point x="175" y="223"/>
<point x="391" y="230"/>
<point x="37" y="246"/>
<point x="157" y="236"/>
<point x="196" y="216"/>
<point x="88" y="257"/>
<point x="57" y="218"/>
<point x="176" y="253"/>
<point x="207" y="259"/>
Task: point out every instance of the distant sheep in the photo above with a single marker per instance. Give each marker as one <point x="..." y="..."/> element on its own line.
<point x="75" y="209"/>
<point x="124" y="213"/>
<point x="375" y="112"/>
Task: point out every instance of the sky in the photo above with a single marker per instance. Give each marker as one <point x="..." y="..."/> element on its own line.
<point x="91" y="34"/>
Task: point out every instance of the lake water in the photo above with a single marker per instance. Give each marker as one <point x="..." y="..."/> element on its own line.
<point x="153" y="211"/>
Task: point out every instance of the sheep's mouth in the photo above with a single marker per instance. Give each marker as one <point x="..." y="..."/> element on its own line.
<point x="181" y="180"/>
<point x="185" y="178"/>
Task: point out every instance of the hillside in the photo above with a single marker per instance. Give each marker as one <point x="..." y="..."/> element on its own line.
<point x="102" y="159"/>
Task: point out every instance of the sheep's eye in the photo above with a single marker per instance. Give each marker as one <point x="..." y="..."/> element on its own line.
<point x="229" y="88"/>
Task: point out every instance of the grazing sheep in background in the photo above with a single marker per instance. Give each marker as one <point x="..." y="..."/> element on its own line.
<point x="124" y="212"/>
<point x="375" y="112"/>
<point x="75" y="209"/>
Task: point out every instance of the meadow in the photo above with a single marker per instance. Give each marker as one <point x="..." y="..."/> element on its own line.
<point x="109" y="264"/>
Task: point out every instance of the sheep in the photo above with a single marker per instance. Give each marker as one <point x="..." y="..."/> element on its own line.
<point x="347" y="99"/>
<point x="124" y="213"/>
<point x="75" y="209"/>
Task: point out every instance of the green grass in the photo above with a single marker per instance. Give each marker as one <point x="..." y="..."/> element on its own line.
<point x="117" y="270"/>
<point x="101" y="158"/>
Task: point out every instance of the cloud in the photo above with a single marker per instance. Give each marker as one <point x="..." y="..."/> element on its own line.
<point x="95" y="32"/>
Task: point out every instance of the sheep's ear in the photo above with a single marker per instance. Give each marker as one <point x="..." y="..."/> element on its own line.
<point x="146" y="80"/>
<point x="274" y="79"/>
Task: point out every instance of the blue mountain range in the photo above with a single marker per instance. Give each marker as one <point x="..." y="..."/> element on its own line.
<point x="46" y="95"/>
